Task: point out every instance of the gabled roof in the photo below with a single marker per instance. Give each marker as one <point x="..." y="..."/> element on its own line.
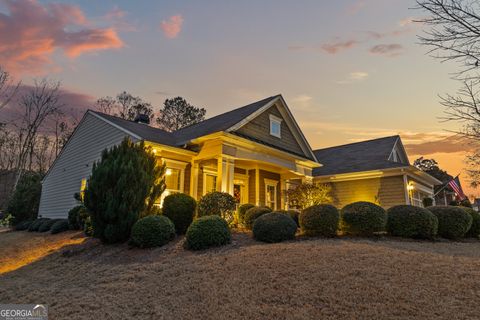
<point x="140" y="130"/>
<point x="222" y="122"/>
<point x="356" y="157"/>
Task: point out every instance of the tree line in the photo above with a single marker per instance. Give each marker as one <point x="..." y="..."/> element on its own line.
<point x="39" y="124"/>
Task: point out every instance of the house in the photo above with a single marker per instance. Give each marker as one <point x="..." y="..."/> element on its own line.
<point x="255" y="153"/>
<point x="375" y="170"/>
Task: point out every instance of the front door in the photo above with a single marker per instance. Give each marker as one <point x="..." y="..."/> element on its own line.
<point x="240" y="190"/>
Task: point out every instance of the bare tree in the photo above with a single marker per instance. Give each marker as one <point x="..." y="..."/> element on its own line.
<point x="454" y="35"/>
<point x="125" y="106"/>
<point x="8" y="88"/>
<point x="37" y="106"/>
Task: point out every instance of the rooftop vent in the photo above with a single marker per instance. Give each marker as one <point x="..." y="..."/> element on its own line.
<point x="142" y="118"/>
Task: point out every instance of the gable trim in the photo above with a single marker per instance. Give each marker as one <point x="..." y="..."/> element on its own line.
<point x="297" y="133"/>
<point x="398" y="141"/>
<point x="115" y="125"/>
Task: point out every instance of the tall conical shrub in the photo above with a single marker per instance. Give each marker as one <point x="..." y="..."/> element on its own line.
<point x="124" y="184"/>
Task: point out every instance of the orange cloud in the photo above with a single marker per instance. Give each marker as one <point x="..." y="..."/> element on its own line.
<point x="172" y="27"/>
<point x="31" y="32"/>
<point x="451" y="144"/>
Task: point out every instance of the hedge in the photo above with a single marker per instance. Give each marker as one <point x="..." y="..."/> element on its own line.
<point x="60" y="226"/>
<point x="242" y="210"/>
<point x="474" y="231"/>
<point x="36" y="224"/>
<point x="252" y="214"/>
<point x="319" y="220"/>
<point x="363" y="218"/>
<point x="453" y="222"/>
<point x="47" y="225"/>
<point x="274" y="227"/>
<point x="152" y="231"/>
<point x="180" y="209"/>
<point x="411" y="222"/>
<point x="206" y="232"/>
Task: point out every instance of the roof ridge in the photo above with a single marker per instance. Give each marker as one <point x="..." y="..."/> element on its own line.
<point x="225" y="113"/>
<point x="129" y="121"/>
<point x="358" y="142"/>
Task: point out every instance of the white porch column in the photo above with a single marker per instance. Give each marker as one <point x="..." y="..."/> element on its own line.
<point x="194" y="179"/>
<point x="283" y="193"/>
<point x="231" y="175"/>
<point x="222" y="174"/>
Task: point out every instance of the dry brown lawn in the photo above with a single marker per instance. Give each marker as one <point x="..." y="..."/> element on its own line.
<point x="304" y="279"/>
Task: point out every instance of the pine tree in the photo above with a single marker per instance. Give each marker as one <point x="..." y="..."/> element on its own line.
<point x="124" y="184"/>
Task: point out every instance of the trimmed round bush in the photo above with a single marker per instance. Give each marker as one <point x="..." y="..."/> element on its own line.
<point x="47" y="225"/>
<point x="60" y="226"/>
<point x="77" y="216"/>
<point x="206" y="232"/>
<point x="218" y="203"/>
<point x="363" y="218"/>
<point x="411" y="222"/>
<point x="24" y="225"/>
<point x="453" y="222"/>
<point x="152" y="231"/>
<point x="294" y="214"/>
<point x="36" y="224"/>
<point x="180" y="208"/>
<point x="320" y="220"/>
<point x="252" y="214"/>
<point x="274" y="227"/>
<point x="242" y="210"/>
<point x="474" y="231"/>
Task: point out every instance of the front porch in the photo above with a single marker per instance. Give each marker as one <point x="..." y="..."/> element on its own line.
<point x="254" y="174"/>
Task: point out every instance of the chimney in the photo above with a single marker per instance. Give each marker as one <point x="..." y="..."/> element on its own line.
<point x="142" y="118"/>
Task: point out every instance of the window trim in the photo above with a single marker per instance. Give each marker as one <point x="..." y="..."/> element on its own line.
<point x="271" y="183"/>
<point x="208" y="172"/>
<point x="276" y="120"/>
<point x="178" y="165"/>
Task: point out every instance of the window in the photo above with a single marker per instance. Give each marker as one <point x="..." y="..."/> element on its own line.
<point x="172" y="179"/>
<point x="271" y="193"/>
<point x="210" y="183"/>
<point x="275" y="126"/>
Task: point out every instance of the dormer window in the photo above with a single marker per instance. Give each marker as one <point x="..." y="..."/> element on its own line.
<point x="275" y="126"/>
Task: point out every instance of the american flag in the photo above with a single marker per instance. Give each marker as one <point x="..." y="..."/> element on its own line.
<point x="455" y="185"/>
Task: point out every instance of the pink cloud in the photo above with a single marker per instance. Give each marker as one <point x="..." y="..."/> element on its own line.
<point x="172" y="27"/>
<point x="31" y="32"/>
<point x="336" y="47"/>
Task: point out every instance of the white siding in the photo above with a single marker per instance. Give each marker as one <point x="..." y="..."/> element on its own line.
<point x="75" y="163"/>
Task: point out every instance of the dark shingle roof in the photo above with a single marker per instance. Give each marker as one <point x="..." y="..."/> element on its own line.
<point x="216" y="124"/>
<point x="144" y="131"/>
<point x="357" y="157"/>
<point x="219" y="123"/>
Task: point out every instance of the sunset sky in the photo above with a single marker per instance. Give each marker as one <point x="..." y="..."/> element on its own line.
<point x="349" y="69"/>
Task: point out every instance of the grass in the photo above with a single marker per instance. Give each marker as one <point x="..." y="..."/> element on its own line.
<point x="303" y="279"/>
